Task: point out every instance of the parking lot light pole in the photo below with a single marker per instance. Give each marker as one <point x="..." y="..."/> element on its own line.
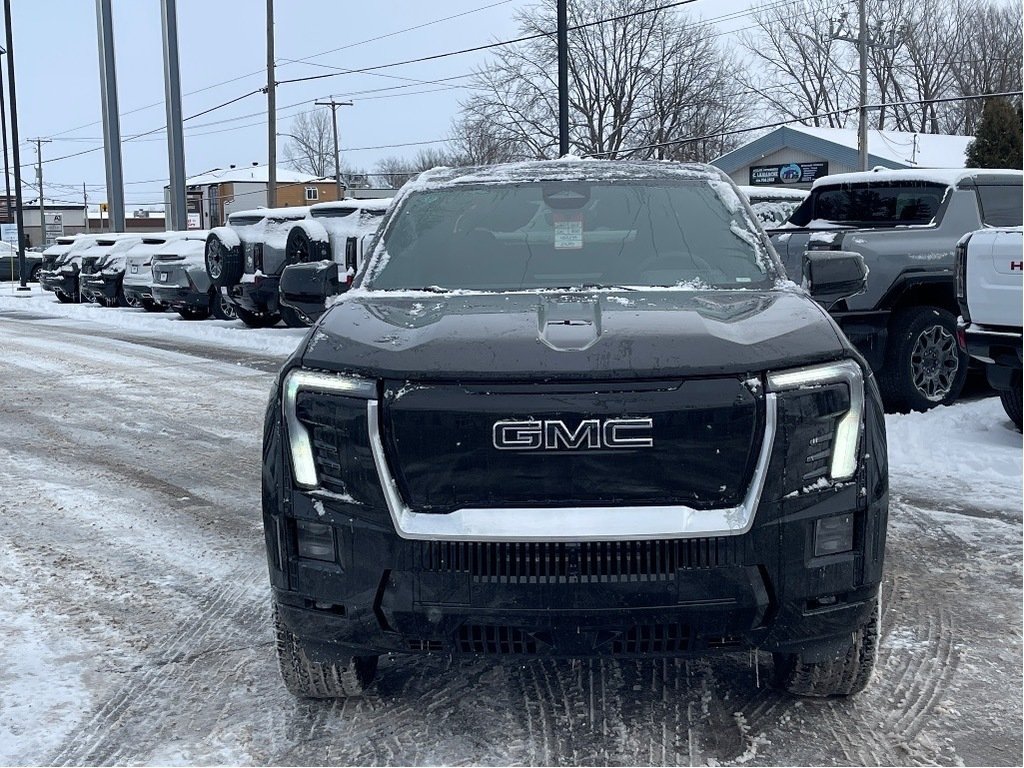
<point x="19" y="216"/>
<point x="563" y="78"/>
<point x="3" y="130"/>
<point x="271" y="112"/>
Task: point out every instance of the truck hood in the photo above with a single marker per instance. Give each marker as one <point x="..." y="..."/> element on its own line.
<point x="570" y="335"/>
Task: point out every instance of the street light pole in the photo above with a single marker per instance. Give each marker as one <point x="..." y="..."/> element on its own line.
<point x="334" y="124"/>
<point x="3" y="129"/>
<point x="175" y="132"/>
<point x="563" y="78"/>
<point x="19" y="217"/>
<point x="271" y="112"/>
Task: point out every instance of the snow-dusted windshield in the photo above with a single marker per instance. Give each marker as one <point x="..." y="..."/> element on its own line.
<point x="566" y="234"/>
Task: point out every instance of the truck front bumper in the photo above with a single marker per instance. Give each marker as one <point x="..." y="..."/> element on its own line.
<point x="999" y="348"/>
<point x="259" y="297"/>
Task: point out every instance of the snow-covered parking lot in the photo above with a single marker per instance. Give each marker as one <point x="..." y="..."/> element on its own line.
<point x="136" y="603"/>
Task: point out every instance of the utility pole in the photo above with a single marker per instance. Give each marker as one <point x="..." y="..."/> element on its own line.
<point x="172" y="97"/>
<point x="85" y="204"/>
<point x="3" y="129"/>
<point x="39" y="174"/>
<point x="271" y="112"/>
<point x="334" y="124"/>
<point x="19" y="216"/>
<point x="111" y="120"/>
<point x="863" y="41"/>
<point x="563" y="78"/>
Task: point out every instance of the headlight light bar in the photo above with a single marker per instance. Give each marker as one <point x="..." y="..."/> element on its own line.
<point x="847" y="435"/>
<point x="299" y="444"/>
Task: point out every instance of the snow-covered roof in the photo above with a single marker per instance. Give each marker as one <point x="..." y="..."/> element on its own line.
<point x="259" y="174"/>
<point x="948" y="176"/>
<point x="292" y="212"/>
<point x="914" y="150"/>
<point x="892" y="149"/>
<point x="367" y="204"/>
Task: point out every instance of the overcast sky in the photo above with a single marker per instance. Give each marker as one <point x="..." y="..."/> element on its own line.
<point x="223" y="55"/>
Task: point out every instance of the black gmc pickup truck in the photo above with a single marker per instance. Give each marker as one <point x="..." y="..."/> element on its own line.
<point x="575" y="408"/>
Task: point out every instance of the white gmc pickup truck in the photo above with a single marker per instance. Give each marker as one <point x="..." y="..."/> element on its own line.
<point x="989" y="289"/>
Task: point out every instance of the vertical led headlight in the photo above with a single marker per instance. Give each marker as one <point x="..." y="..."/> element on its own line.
<point x="300" y="445"/>
<point x="846" y="438"/>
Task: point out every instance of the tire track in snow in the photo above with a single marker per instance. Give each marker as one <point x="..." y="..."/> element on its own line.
<point x="135" y="704"/>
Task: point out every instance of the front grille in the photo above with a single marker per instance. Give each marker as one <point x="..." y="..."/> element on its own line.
<point x="585" y="562"/>
<point x="423" y="645"/>
<point x="653" y="638"/>
<point x="474" y="638"/>
<point x="89" y="265"/>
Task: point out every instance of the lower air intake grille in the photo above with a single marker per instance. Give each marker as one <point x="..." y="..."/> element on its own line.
<point x="653" y="638"/>
<point x="474" y="638"/>
<point x="592" y="561"/>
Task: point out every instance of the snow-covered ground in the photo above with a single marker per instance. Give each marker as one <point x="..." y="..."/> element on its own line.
<point x="232" y="334"/>
<point x="134" y="594"/>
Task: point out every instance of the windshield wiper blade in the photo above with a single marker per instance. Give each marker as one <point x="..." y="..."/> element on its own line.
<point x="598" y="287"/>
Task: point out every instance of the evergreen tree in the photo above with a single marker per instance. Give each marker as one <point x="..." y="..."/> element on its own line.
<point x="1000" y="137"/>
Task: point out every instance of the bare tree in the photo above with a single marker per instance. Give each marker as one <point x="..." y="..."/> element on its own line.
<point x="990" y="61"/>
<point x="476" y="142"/>
<point x="802" y="72"/>
<point x="393" y="172"/>
<point x="310" y="148"/>
<point x="924" y="51"/>
<point x="638" y="75"/>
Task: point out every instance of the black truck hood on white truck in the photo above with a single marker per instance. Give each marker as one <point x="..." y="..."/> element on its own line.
<point x="625" y="334"/>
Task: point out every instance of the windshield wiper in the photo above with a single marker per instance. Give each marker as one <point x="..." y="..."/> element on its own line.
<point x="594" y="287"/>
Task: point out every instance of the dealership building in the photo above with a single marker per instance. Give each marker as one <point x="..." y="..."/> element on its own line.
<point x="796" y="155"/>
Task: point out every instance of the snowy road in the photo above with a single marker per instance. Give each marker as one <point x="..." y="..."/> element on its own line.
<point x="134" y="595"/>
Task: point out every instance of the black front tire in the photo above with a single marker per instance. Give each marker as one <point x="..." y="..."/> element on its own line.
<point x="310" y="679"/>
<point x="1011" y="400"/>
<point x="63" y="298"/>
<point x="257" y="320"/>
<point x="924" y="365"/>
<point x="293" y="318"/>
<point x="844" y="675"/>
<point x="224" y="265"/>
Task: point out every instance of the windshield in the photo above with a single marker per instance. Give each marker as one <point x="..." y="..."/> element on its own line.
<point x="570" y="234"/>
<point x="872" y="204"/>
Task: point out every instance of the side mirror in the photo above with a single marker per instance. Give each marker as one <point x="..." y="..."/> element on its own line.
<point x="834" y="275"/>
<point x="305" y="288"/>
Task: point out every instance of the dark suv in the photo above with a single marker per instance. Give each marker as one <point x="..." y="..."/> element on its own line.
<point x="575" y="408"/>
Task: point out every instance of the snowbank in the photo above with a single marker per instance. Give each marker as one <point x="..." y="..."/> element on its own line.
<point x="968" y="455"/>
<point x="232" y="334"/>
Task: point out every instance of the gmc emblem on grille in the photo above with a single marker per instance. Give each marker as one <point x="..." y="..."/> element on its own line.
<point x="589" y="434"/>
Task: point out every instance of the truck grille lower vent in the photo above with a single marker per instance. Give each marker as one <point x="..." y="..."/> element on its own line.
<point x="473" y="638"/>
<point x="653" y="638"/>
<point x="593" y="561"/>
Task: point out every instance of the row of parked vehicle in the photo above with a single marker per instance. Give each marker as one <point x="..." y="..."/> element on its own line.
<point x="263" y="266"/>
<point x="268" y="265"/>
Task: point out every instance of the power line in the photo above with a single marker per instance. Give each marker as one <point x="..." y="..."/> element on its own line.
<point x="489" y="46"/>
<point x="779" y="123"/>
<point x="304" y="60"/>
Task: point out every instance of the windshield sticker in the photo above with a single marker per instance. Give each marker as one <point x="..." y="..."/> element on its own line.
<point x="568" y="232"/>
